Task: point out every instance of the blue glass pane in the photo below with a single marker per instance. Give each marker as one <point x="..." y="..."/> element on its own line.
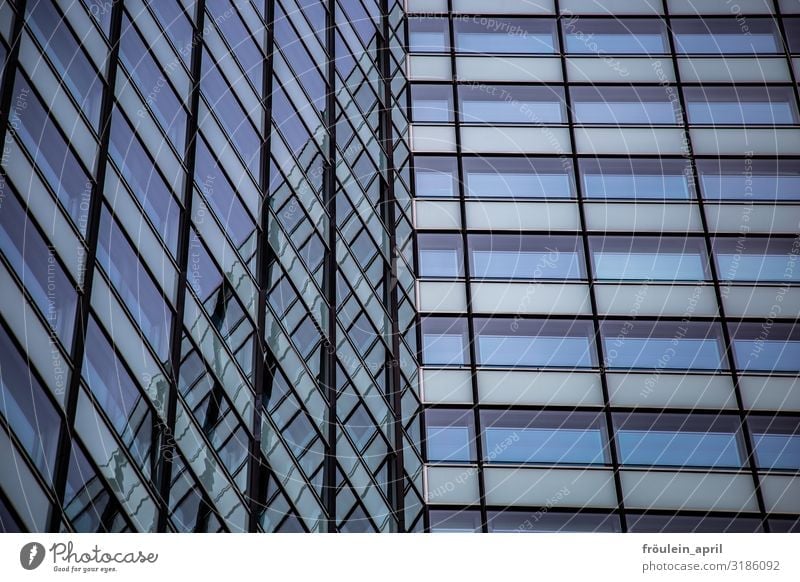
<point x="767" y="355"/>
<point x="656" y="266"/>
<point x="526" y="265"/>
<point x="423" y="41"/>
<point x="624" y="112"/>
<point x="443" y="349"/>
<point x="693" y="449"/>
<point x="750" y="267"/>
<point x="35" y="263"/>
<point x="438" y="263"/>
<point x="476" y="111"/>
<point x="635" y="186"/>
<point x="485" y="185"/>
<point x="777" y="451"/>
<point x="670" y="353"/>
<point x="740" y="113"/>
<point x="495" y="350"/>
<point x="448" y="443"/>
<point x="740" y="43"/>
<point x="31" y="415"/>
<point x="501" y="42"/>
<point x="638" y="43"/>
<point x="432" y="110"/>
<point x="544" y="445"/>
<point x="754" y="187"/>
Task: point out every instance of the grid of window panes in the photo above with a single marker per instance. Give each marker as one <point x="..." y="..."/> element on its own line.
<point x="607" y="206"/>
<point x="167" y="251"/>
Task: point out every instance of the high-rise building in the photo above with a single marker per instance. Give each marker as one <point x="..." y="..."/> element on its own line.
<point x="230" y="300"/>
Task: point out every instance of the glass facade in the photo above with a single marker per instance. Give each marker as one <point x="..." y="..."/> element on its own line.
<point x="207" y="271"/>
<point x="607" y="242"/>
<point x="399" y="266"/>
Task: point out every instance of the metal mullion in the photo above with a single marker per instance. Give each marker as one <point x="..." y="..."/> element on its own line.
<point x="584" y="235"/>
<point x="467" y="274"/>
<point x="164" y="472"/>
<point x="723" y="321"/>
<point x="329" y="362"/>
<point x="258" y="469"/>
<point x="84" y="294"/>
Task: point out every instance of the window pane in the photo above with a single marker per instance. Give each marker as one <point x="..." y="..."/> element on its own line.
<point x="543" y="437"/>
<point x="636" y="178"/>
<point x="643" y="523"/>
<point x="624" y="36"/>
<point x="134" y="285"/>
<point x="525" y="257"/>
<point x="623" y="105"/>
<point x="153" y="84"/>
<point x="24" y="404"/>
<point x="748" y="259"/>
<point x="450" y="435"/>
<point x="534" y="342"/>
<point x="444" y="341"/>
<point x="740" y="105"/>
<point x="142" y="176"/>
<point x="52" y="155"/>
<point x="440" y="255"/>
<point x="657" y="345"/>
<point x="435" y="176"/>
<point x="459" y="520"/>
<point x="518" y="178"/>
<point x="651" y="258"/>
<point x="432" y="103"/>
<point x="428" y="34"/>
<point x="696" y="440"/>
<point x="72" y="64"/>
<point x="750" y="179"/>
<point x="718" y="36"/>
<point x="551" y="521"/>
<point x="511" y="104"/>
<point x="505" y="35"/>
<point x="766" y="347"/>
<point x="776" y="442"/>
<point x="35" y="263"/>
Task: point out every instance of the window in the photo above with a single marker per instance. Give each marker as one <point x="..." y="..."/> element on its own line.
<point x="623" y="105"/>
<point x="740" y="105"/>
<point x="52" y="155"/>
<point x="551" y="521"/>
<point x="623" y="36"/>
<point x="766" y="347"/>
<point x="535" y="343"/>
<point x="505" y="35"/>
<point x="64" y="50"/>
<point x="452" y="521"/>
<point x="525" y="257"/>
<point x="450" y="435"/>
<point x="649" y="258"/>
<point x="644" y="523"/>
<point x="694" y="440"/>
<point x="726" y="36"/>
<point x="752" y="259"/>
<point x="37" y="266"/>
<point x="432" y="103"/>
<point x="444" y="341"/>
<point x="175" y="23"/>
<point x="515" y="436"/>
<point x="518" y="177"/>
<point x="28" y="410"/>
<point x="440" y="255"/>
<point x="663" y="345"/>
<point x="145" y="180"/>
<point x="136" y="288"/>
<point x="511" y="104"/>
<point x="750" y="179"/>
<point x="435" y="177"/>
<point x="428" y="34"/>
<point x="776" y="441"/>
<point x="153" y="85"/>
<point x="636" y="178"/>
